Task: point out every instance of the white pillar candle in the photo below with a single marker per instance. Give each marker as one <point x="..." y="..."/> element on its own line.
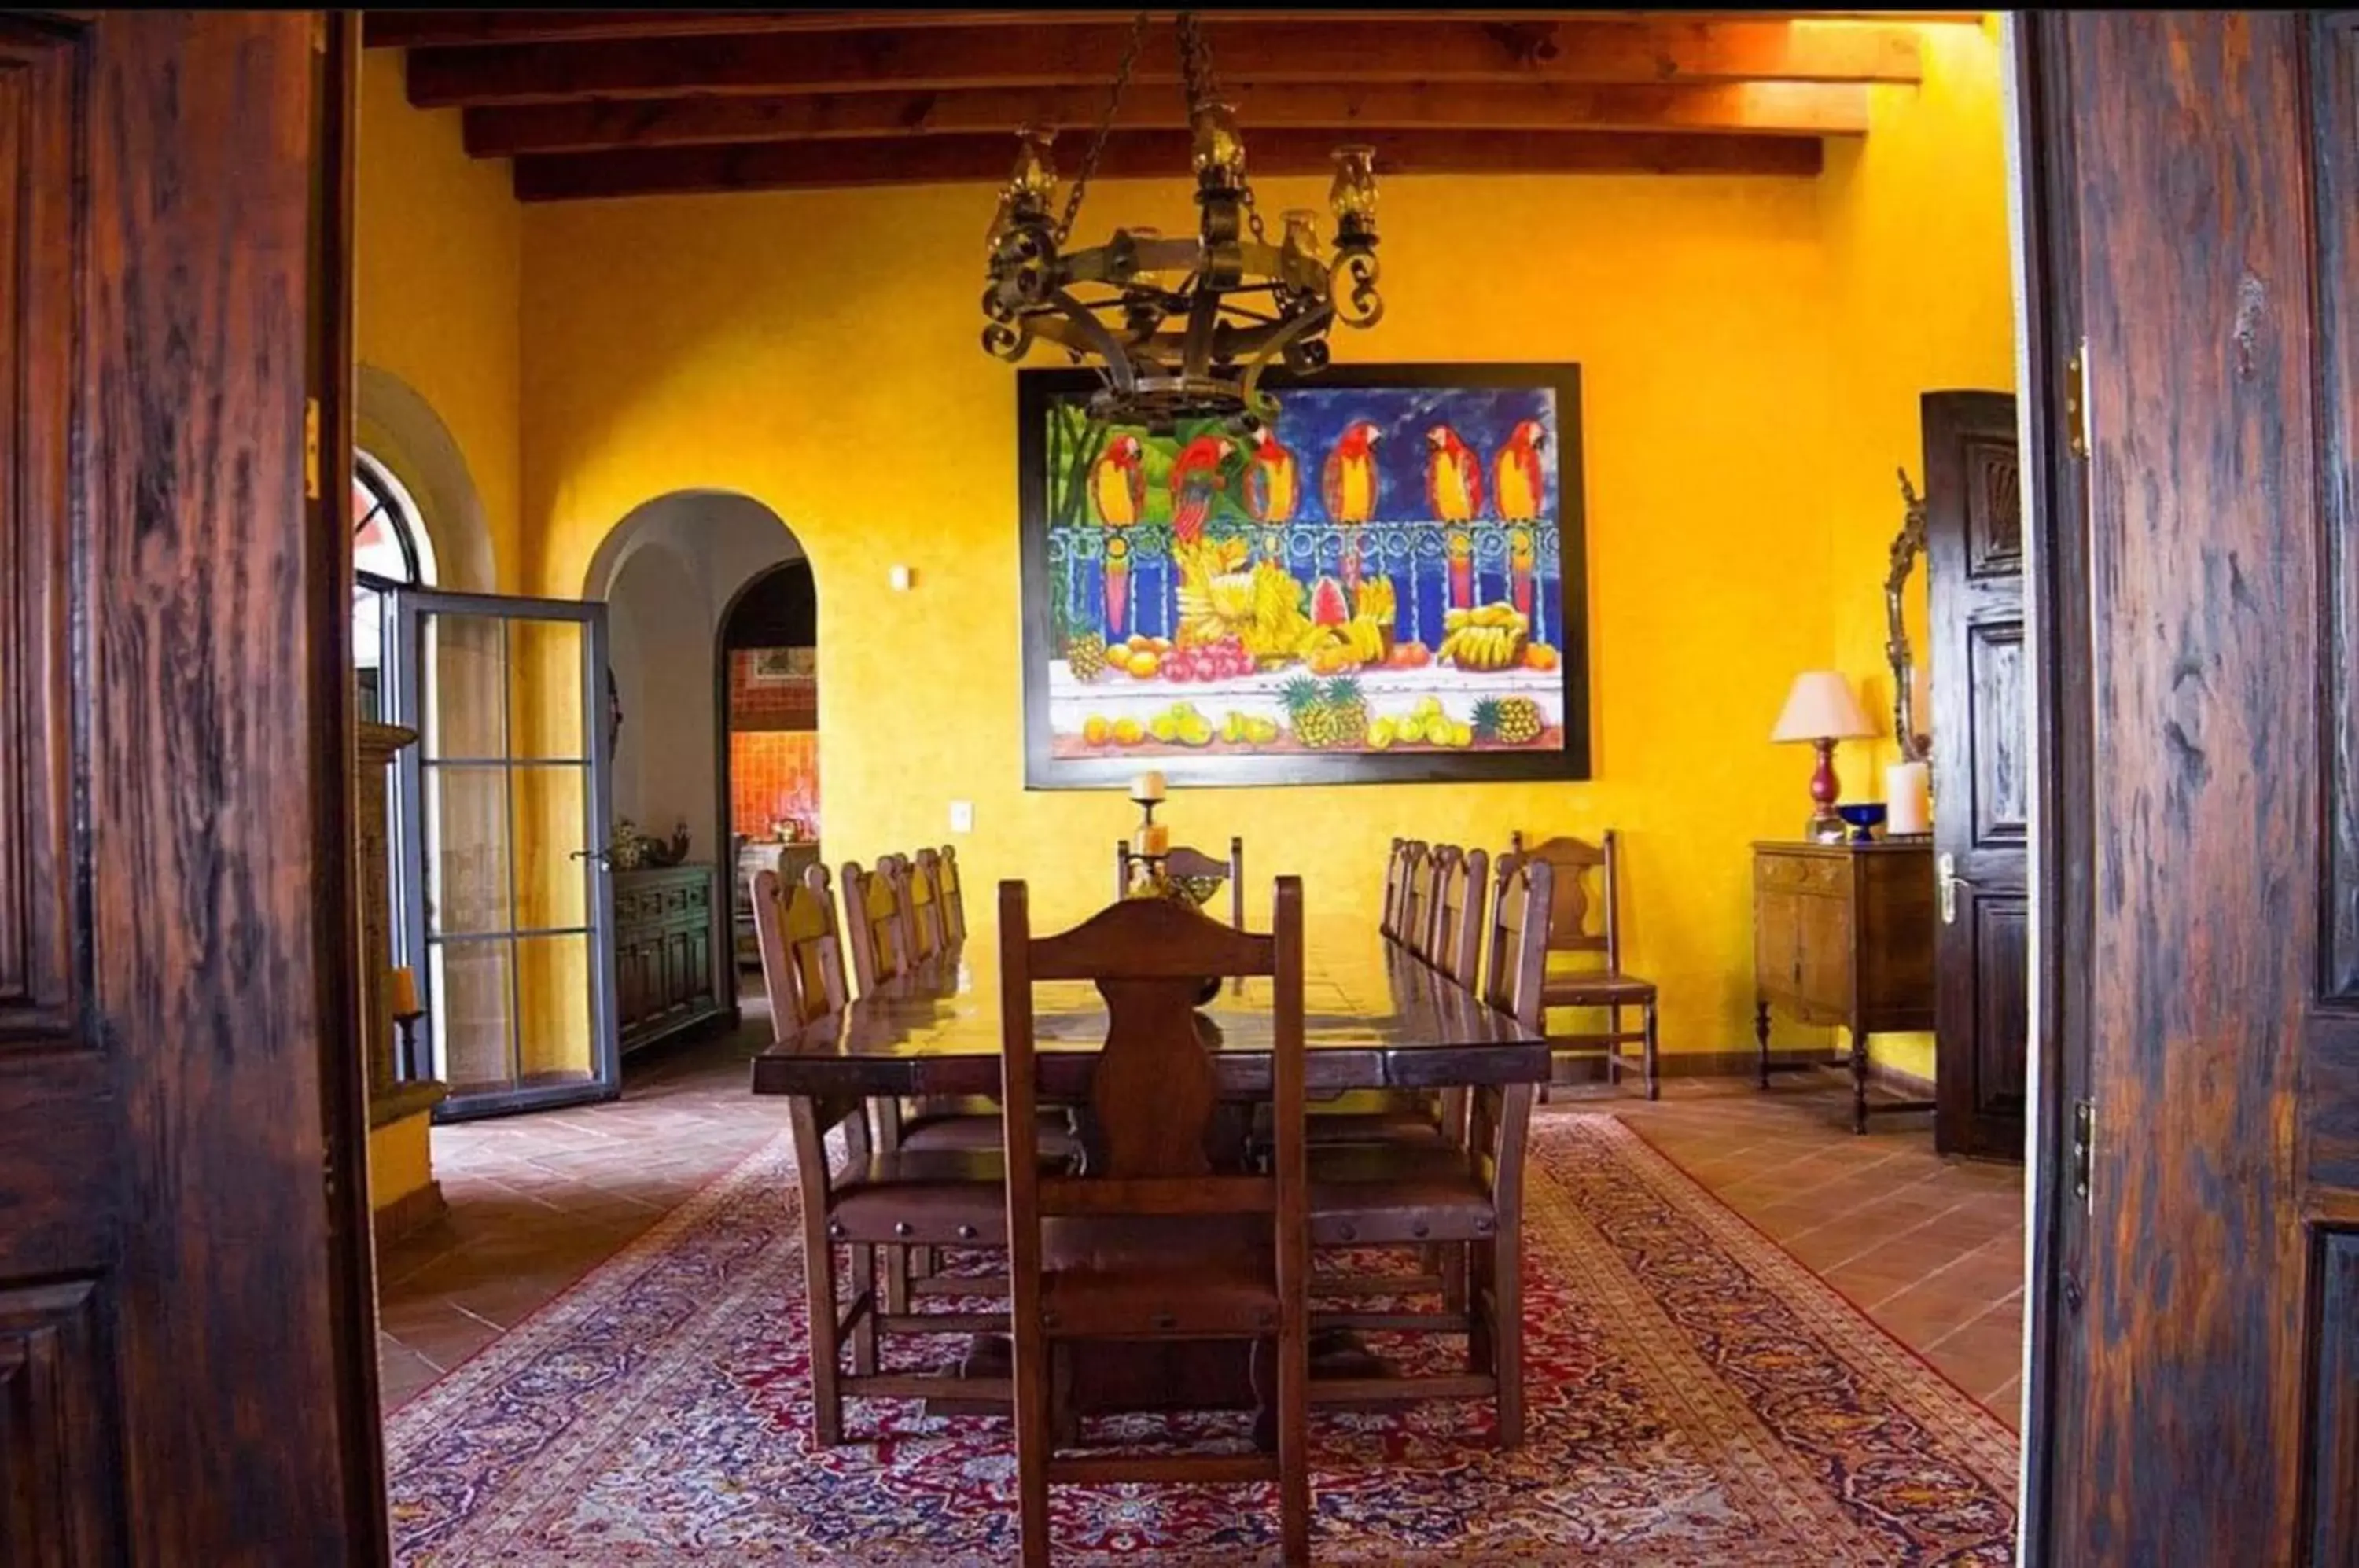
<point x="1908" y="798"/>
<point x="1146" y="787"/>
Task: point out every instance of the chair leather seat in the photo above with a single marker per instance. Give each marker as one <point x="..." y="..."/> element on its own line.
<point x="1376" y="1193"/>
<point x="1577" y="990"/>
<point x="1141" y="1276"/>
<point x="938" y="1196"/>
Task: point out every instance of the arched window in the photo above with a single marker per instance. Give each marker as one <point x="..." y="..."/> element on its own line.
<point x="390" y="549"/>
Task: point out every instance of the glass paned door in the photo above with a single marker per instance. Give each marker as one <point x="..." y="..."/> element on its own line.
<point x="509" y="924"/>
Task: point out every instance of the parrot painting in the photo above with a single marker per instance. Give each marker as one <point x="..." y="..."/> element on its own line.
<point x="1195" y="475"/>
<point x="1118" y="490"/>
<point x="1519" y="482"/>
<point x="1454" y="478"/>
<point x="1349" y="487"/>
<point x="1270" y="480"/>
<point x="1519" y="485"/>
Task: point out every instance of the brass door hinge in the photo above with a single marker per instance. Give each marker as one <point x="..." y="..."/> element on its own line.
<point x="2076" y="401"/>
<point x="310" y="449"/>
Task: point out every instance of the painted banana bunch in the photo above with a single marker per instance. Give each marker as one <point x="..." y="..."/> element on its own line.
<point x="1489" y="636"/>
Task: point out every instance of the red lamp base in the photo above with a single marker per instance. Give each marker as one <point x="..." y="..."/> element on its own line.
<point x="1825" y="827"/>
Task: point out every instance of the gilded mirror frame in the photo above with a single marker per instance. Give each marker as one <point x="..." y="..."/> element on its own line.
<point x="1907" y="552"/>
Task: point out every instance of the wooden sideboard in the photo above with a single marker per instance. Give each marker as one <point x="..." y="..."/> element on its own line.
<point x="665" y="976"/>
<point x="1843" y="934"/>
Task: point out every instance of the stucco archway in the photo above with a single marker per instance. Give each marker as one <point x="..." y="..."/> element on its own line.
<point x="401" y="430"/>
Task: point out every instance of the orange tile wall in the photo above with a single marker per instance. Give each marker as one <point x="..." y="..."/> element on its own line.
<point x="772" y="773"/>
<point x="772" y="705"/>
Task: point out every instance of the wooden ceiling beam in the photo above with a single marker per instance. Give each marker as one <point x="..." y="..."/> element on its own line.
<point x="414" y="29"/>
<point x="1085" y="55"/>
<point x="1758" y="108"/>
<point x="919" y="161"/>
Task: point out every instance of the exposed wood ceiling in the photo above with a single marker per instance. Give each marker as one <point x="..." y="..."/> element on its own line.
<point x="593" y="104"/>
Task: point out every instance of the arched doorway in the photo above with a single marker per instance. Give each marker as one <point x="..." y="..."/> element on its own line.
<point x="767" y="678"/>
<point x="670" y="572"/>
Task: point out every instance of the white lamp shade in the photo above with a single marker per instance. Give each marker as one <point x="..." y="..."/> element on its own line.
<point x="1821" y="706"/>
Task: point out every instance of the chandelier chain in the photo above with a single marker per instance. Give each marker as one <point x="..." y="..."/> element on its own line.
<point x="1204" y="86"/>
<point x="1105" y="128"/>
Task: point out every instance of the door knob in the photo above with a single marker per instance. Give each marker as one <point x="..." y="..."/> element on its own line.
<point x="1948" y="882"/>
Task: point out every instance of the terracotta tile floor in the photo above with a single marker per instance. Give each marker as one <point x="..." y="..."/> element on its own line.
<point x="1932" y="1248"/>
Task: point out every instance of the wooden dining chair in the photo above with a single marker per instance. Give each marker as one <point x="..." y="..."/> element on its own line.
<point x="1461" y="898"/>
<point x="881" y="1205"/>
<point x="1155" y="1237"/>
<point x="1181" y="861"/>
<point x="1611" y="989"/>
<point x="921" y="897"/>
<point x="1465" y="1196"/>
<point x="875" y="917"/>
<point x="1389" y="921"/>
<point x="944" y="868"/>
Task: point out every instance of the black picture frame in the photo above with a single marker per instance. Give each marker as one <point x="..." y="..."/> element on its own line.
<point x="1039" y="391"/>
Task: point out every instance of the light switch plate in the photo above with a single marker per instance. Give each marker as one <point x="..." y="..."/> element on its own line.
<point x="962" y="816"/>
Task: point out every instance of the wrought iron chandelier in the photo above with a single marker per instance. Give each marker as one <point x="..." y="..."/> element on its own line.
<point x="1180" y="328"/>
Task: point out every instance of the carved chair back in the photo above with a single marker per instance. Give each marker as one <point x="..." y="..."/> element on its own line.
<point x="1462" y="886"/>
<point x="948" y="888"/>
<point x="1415" y="914"/>
<point x="1577" y="922"/>
<point x="1519" y="933"/>
<point x="876" y="918"/>
<point x="922" y="898"/>
<point x="802" y="957"/>
<point x="1395" y="862"/>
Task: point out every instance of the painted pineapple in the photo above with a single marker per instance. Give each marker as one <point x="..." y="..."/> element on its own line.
<point x="1330" y="717"/>
<point x="1514" y="721"/>
<point x="1085" y="656"/>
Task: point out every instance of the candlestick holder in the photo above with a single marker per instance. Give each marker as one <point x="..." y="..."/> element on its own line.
<point x="407" y="1024"/>
<point x="1150" y="879"/>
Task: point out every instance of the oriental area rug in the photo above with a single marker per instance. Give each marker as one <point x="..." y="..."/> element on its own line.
<point x="1695" y="1397"/>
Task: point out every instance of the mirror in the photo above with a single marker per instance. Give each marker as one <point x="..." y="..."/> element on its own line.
<point x="1906" y="607"/>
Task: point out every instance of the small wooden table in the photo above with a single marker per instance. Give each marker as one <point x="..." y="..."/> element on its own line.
<point x="1376" y="1017"/>
<point x="1843" y="934"/>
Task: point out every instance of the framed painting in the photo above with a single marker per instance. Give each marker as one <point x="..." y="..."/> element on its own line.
<point x="1383" y="584"/>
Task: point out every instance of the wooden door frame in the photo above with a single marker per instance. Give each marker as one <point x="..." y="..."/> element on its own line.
<point x="2046" y="256"/>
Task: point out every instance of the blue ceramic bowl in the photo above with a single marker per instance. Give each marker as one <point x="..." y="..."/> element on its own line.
<point x="1862" y="816"/>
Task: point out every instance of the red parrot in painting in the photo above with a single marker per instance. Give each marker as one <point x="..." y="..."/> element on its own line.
<point x="1349" y="487"/>
<point x="1118" y="484"/>
<point x="1453" y="479"/>
<point x="1270" y="480"/>
<point x="1118" y="490"/>
<point x="1518" y="483"/>
<point x="1195" y="475"/>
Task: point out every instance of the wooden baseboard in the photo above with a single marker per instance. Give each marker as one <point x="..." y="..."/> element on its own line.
<point x="410" y="1213"/>
<point x="1906" y="1086"/>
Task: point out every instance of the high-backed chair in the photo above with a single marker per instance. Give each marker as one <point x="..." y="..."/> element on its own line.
<point x="1465" y="1196"/>
<point x="1412" y="908"/>
<point x="1155" y="1237"/>
<point x="882" y="1201"/>
<point x="1611" y="989"/>
<point x="1181" y="861"/>
<point x="923" y="900"/>
<point x="1396" y="862"/>
<point x="1461" y="900"/>
<point x="876" y="918"/>
<point x="943" y="866"/>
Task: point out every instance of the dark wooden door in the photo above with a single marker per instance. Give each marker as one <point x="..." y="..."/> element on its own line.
<point x="2201" y="223"/>
<point x="187" y="1369"/>
<point x="1982" y="772"/>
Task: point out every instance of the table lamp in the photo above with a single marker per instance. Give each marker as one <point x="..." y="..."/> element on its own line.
<point x="1821" y="709"/>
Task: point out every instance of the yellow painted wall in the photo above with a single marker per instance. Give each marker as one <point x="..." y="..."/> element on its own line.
<point x="817" y="351"/>
<point x="1915" y="220"/>
<point x="399" y="1161"/>
<point x="439" y="255"/>
<point x="1751" y="353"/>
<point x="695" y="341"/>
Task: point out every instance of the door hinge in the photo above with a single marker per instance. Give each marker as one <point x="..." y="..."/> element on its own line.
<point x="310" y="449"/>
<point x="2084" y="1149"/>
<point x="2076" y="401"/>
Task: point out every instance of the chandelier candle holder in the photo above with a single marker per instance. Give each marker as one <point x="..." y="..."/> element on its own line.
<point x="1179" y="328"/>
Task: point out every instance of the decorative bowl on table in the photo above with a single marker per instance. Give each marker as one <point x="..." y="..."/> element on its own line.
<point x="1864" y="817"/>
<point x="1196" y="891"/>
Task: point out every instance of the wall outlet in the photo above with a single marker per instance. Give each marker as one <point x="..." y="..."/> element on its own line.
<point x="962" y="816"/>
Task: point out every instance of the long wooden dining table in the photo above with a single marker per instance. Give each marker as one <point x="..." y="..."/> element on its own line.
<point x="1376" y="1017"/>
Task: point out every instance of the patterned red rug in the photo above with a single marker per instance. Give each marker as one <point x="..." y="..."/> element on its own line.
<point x="1696" y="1398"/>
